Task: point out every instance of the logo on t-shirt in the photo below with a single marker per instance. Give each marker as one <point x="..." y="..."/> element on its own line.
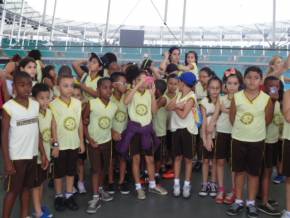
<point x="120" y="116"/>
<point x="70" y="123"/>
<point x="46" y="135"/>
<point x="141" y="109"/>
<point x="104" y="122"/>
<point x="247" y="118"/>
<point x="27" y="121"/>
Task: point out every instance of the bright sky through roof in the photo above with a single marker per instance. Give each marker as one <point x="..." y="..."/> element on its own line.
<point x="198" y="13"/>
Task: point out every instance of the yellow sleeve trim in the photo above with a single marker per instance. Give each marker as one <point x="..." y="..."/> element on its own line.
<point x="7" y="111"/>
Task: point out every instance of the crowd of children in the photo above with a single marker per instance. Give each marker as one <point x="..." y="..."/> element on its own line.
<point x="142" y="122"/>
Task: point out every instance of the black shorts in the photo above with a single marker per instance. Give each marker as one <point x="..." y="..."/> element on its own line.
<point x="41" y="175"/>
<point x="286" y="158"/>
<point x="270" y="159"/>
<point x="100" y="157"/>
<point x="66" y="163"/>
<point x="247" y="156"/>
<point x="208" y="154"/>
<point x="161" y="153"/>
<point x="84" y="155"/>
<point x="183" y="143"/>
<point x="169" y="143"/>
<point x="136" y="147"/>
<point x="278" y="152"/>
<point x="223" y="145"/>
<point x="24" y="178"/>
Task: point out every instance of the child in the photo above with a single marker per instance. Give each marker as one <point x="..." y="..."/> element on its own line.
<point x="67" y="133"/>
<point x="49" y="77"/>
<point x="41" y="93"/>
<point x="208" y="106"/>
<point x="28" y="65"/>
<point x="274" y="88"/>
<point x="119" y="83"/>
<point x="190" y="63"/>
<point x="20" y="144"/>
<point x="100" y="112"/>
<point x="170" y="94"/>
<point x="160" y="126"/>
<point x="251" y="110"/>
<point x="139" y="133"/>
<point x="78" y="94"/>
<point x="233" y="82"/>
<point x="184" y="130"/>
<point x="88" y="81"/>
<point x="205" y="74"/>
<point x="286" y="150"/>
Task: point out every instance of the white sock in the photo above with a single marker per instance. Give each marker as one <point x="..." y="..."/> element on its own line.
<point x="152" y="184"/>
<point x="177" y="182"/>
<point x="138" y="186"/>
<point x="239" y="201"/>
<point x="96" y="195"/>
<point x="248" y="203"/>
<point x="156" y="174"/>
<point x="186" y="183"/>
<point x="68" y="195"/>
<point x="80" y="183"/>
<point x="288" y="213"/>
<point x="59" y="195"/>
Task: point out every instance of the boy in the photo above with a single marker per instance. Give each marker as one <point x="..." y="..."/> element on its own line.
<point x="100" y="112"/>
<point x="184" y="131"/>
<point x="41" y="93"/>
<point x="67" y="132"/>
<point x="20" y="144"/>
<point x="119" y="83"/>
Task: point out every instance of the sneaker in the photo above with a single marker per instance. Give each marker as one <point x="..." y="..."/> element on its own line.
<point x="235" y="209"/>
<point x="71" y="204"/>
<point x="105" y="196"/>
<point x="273" y="203"/>
<point x="220" y="198"/>
<point x="81" y="188"/>
<point x="204" y="190"/>
<point x="94" y="205"/>
<point x="252" y="211"/>
<point x="176" y="191"/>
<point x="46" y="211"/>
<point x="186" y="193"/>
<point x="124" y="189"/>
<point x="111" y="188"/>
<point x="212" y="189"/>
<point x="269" y="210"/>
<point x="284" y="214"/>
<point x="158" y="190"/>
<point x="279" y="179"/>
<point x="141" y="194"/>
<point x="59" y="204"/>
<point x="230" y="198"/>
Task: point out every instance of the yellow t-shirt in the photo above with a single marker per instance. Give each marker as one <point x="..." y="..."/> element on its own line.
<point x="67" y="118"/>
<point x="286" y="130"/>
<point x="250" y="123"/>
<point x="139" y="109"/>
<point x="274" y="129"/>
<point x="121" y="116"/>
<point x="200" y="92"/>
<point x="44" y="121"/>
<point x="38" y="71"/>
<point x="223" y="124"/>
<point x="89" y="82"/>
<point x="209" y="109"/>
<point x="160" y="122"/>
<point x="101" y="119"/>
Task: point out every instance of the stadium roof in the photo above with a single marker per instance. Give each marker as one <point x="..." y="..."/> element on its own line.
<point x="34" y="24"/>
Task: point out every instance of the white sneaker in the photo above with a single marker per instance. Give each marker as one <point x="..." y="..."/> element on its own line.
<point x="81" y="188"/>
<point x="94" y="205"/>
<point x="186" y="193"/>
<point x="284" y="214"/>
<point x="176" y="190"/>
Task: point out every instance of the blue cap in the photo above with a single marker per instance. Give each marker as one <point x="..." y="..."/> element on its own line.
<point x="188" y="78"/>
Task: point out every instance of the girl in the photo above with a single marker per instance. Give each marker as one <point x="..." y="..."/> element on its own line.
<point x="36" y="55"/>
<point x="49" y="77"/>
<point x="232" y="81"/>
<point x="277" y="66"/>
<point x="205" y="74"/>
<point x="170" y="57"/>
<point x="274" y="88"/>
<point x="28" y="65"/>
<point x="88" y="81"/>
<point x="190" y="63"/>
<point x="208" y="105"/>
<point x="251" y="110"/>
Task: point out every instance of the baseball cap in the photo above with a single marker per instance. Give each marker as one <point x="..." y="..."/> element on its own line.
<point x="188" y="78"/>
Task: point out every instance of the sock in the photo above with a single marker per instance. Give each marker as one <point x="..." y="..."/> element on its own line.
<point x="177" y="182"/>
<point x="59" y="195"/>
<point x="250" y="203"/>
<point x="221" y="189"/>
<point x="68" y="195"/>
<point x="156" y="174"/>
<point x="96" y="195"/>
<point x="186" y="183"/>
<point x="138" y="186"/>
<point x="152" y="184"/>
<point x="101" y="188"/>
<point x="80" y="183"/>
<point x="288" y="213"/>
<point x="39" y="215"/>
<point x="239" y="202"/>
